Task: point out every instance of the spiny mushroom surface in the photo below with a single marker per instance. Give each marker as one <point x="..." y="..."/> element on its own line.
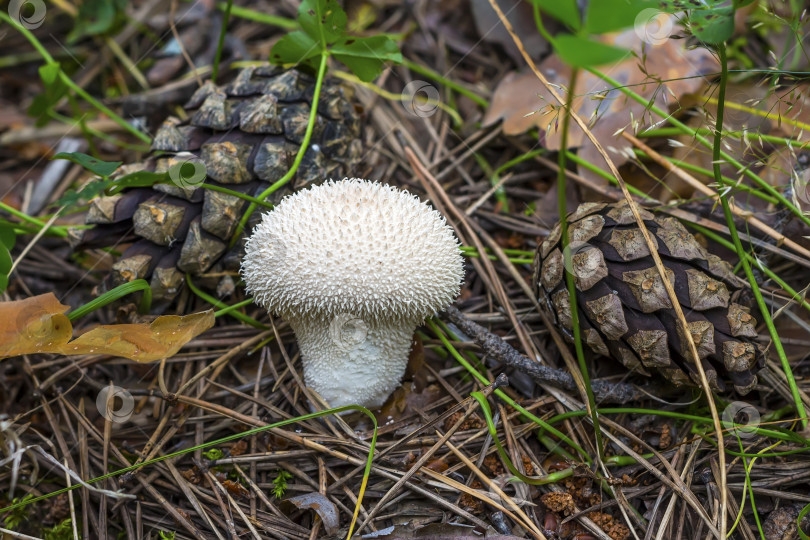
<point x="354" y="266"/>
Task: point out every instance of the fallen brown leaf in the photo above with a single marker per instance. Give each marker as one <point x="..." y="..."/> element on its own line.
<point x="522" y="102"/>
<point x="39" y="325"/>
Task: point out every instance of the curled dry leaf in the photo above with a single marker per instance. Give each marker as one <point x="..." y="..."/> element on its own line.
<point x="522" y="102"/>
<point x="39" y="325"/>
<point x="325" y="509"/>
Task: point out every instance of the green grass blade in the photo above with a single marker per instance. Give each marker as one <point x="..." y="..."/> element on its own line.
<point x="115" y="294"/>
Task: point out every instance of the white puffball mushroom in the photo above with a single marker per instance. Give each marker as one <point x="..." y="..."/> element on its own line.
<point x="353" y="266"/>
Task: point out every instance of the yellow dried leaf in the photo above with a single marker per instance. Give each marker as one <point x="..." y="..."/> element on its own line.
<point x="38" y="325"/>
<point x="141" y="342"/>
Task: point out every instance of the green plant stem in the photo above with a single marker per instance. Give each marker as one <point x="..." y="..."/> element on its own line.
<point x="69" y="82"/>
<point x="223" y="307"/>
<point x="237" y="194"/>
<point x="521" y="257"/>
<point x="473" y="251"/>
<point x="103" y="108"/>
<point x="763" y="432"/>
<point x="427" y="72"/>
<point x="750" y="488"/>
<point x="258" y="16"/>
<point x="493" y="432"/>
<point x="706" y="172"/>
<point x="674" y="132"/>
<point x="802" y="514"/>
<point x="472" y="358"/>
<point x="538" y="22"/>
<point x="494" y="258"/>
<point x="501" y="394"/>
<point x="313" y="114"/>
<point x="494" y="178"/>
<point x="221" y="42"/>
<point x="604" y="174"/>
<point x="531" y="154"/>
<point x="238" y="305"/>
<point x="708" y="144"/>
<point x="735" y="238"/>
<point x="350" y="77"/>
<point x="113" y="295"/>
<point x="56" y="230"/>
<point x="562" y="206"/>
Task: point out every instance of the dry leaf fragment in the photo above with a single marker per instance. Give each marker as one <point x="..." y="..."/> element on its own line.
<point x="325" y="509"/>
<point x="521" y="101"/>
<point x="38" y="325"/>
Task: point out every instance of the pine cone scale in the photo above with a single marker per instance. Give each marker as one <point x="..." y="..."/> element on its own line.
<point x="624" y="309"/>
<point x="246" y="134"/>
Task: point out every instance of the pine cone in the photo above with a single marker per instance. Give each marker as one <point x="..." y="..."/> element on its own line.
<point x="624" y="310"/>
<point x="246" y="134"/>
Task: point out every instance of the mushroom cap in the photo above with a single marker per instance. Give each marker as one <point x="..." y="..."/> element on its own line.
<point x="353" y="246"/>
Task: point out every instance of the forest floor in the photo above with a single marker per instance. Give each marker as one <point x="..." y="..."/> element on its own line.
<point x="215" y="435"/>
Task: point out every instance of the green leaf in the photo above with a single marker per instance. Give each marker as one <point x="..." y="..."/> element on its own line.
<point x="605" y="16"/>
<point x="579" y="51"/>
<point x="54" y="90"/>
<point x="565" y="11"/>
<point x="804" y="511"/>
<point x="96" y="166"/>
<point x="737" y="4"/>
<point x="714" y="25"/>
<point x="323" y="20"/>
<point x="95" y="17"/>
<point x="323" y="31"/>
<point x="3" y="284"/>
<point x="111" y="187"/>
<point x="49" y="72"/>
<point x="365" y="56"/>
<point x="138" y="179"/>
<point x="7" y="236"/>
<point x="295" y="48"/>
<point x="93" y="189"/>
<point x="5" y="261"/>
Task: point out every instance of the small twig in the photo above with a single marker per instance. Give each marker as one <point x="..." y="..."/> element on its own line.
<point x="493" y="345"/>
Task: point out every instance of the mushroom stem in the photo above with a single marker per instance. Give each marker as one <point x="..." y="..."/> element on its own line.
<point x="350" y="361"/>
